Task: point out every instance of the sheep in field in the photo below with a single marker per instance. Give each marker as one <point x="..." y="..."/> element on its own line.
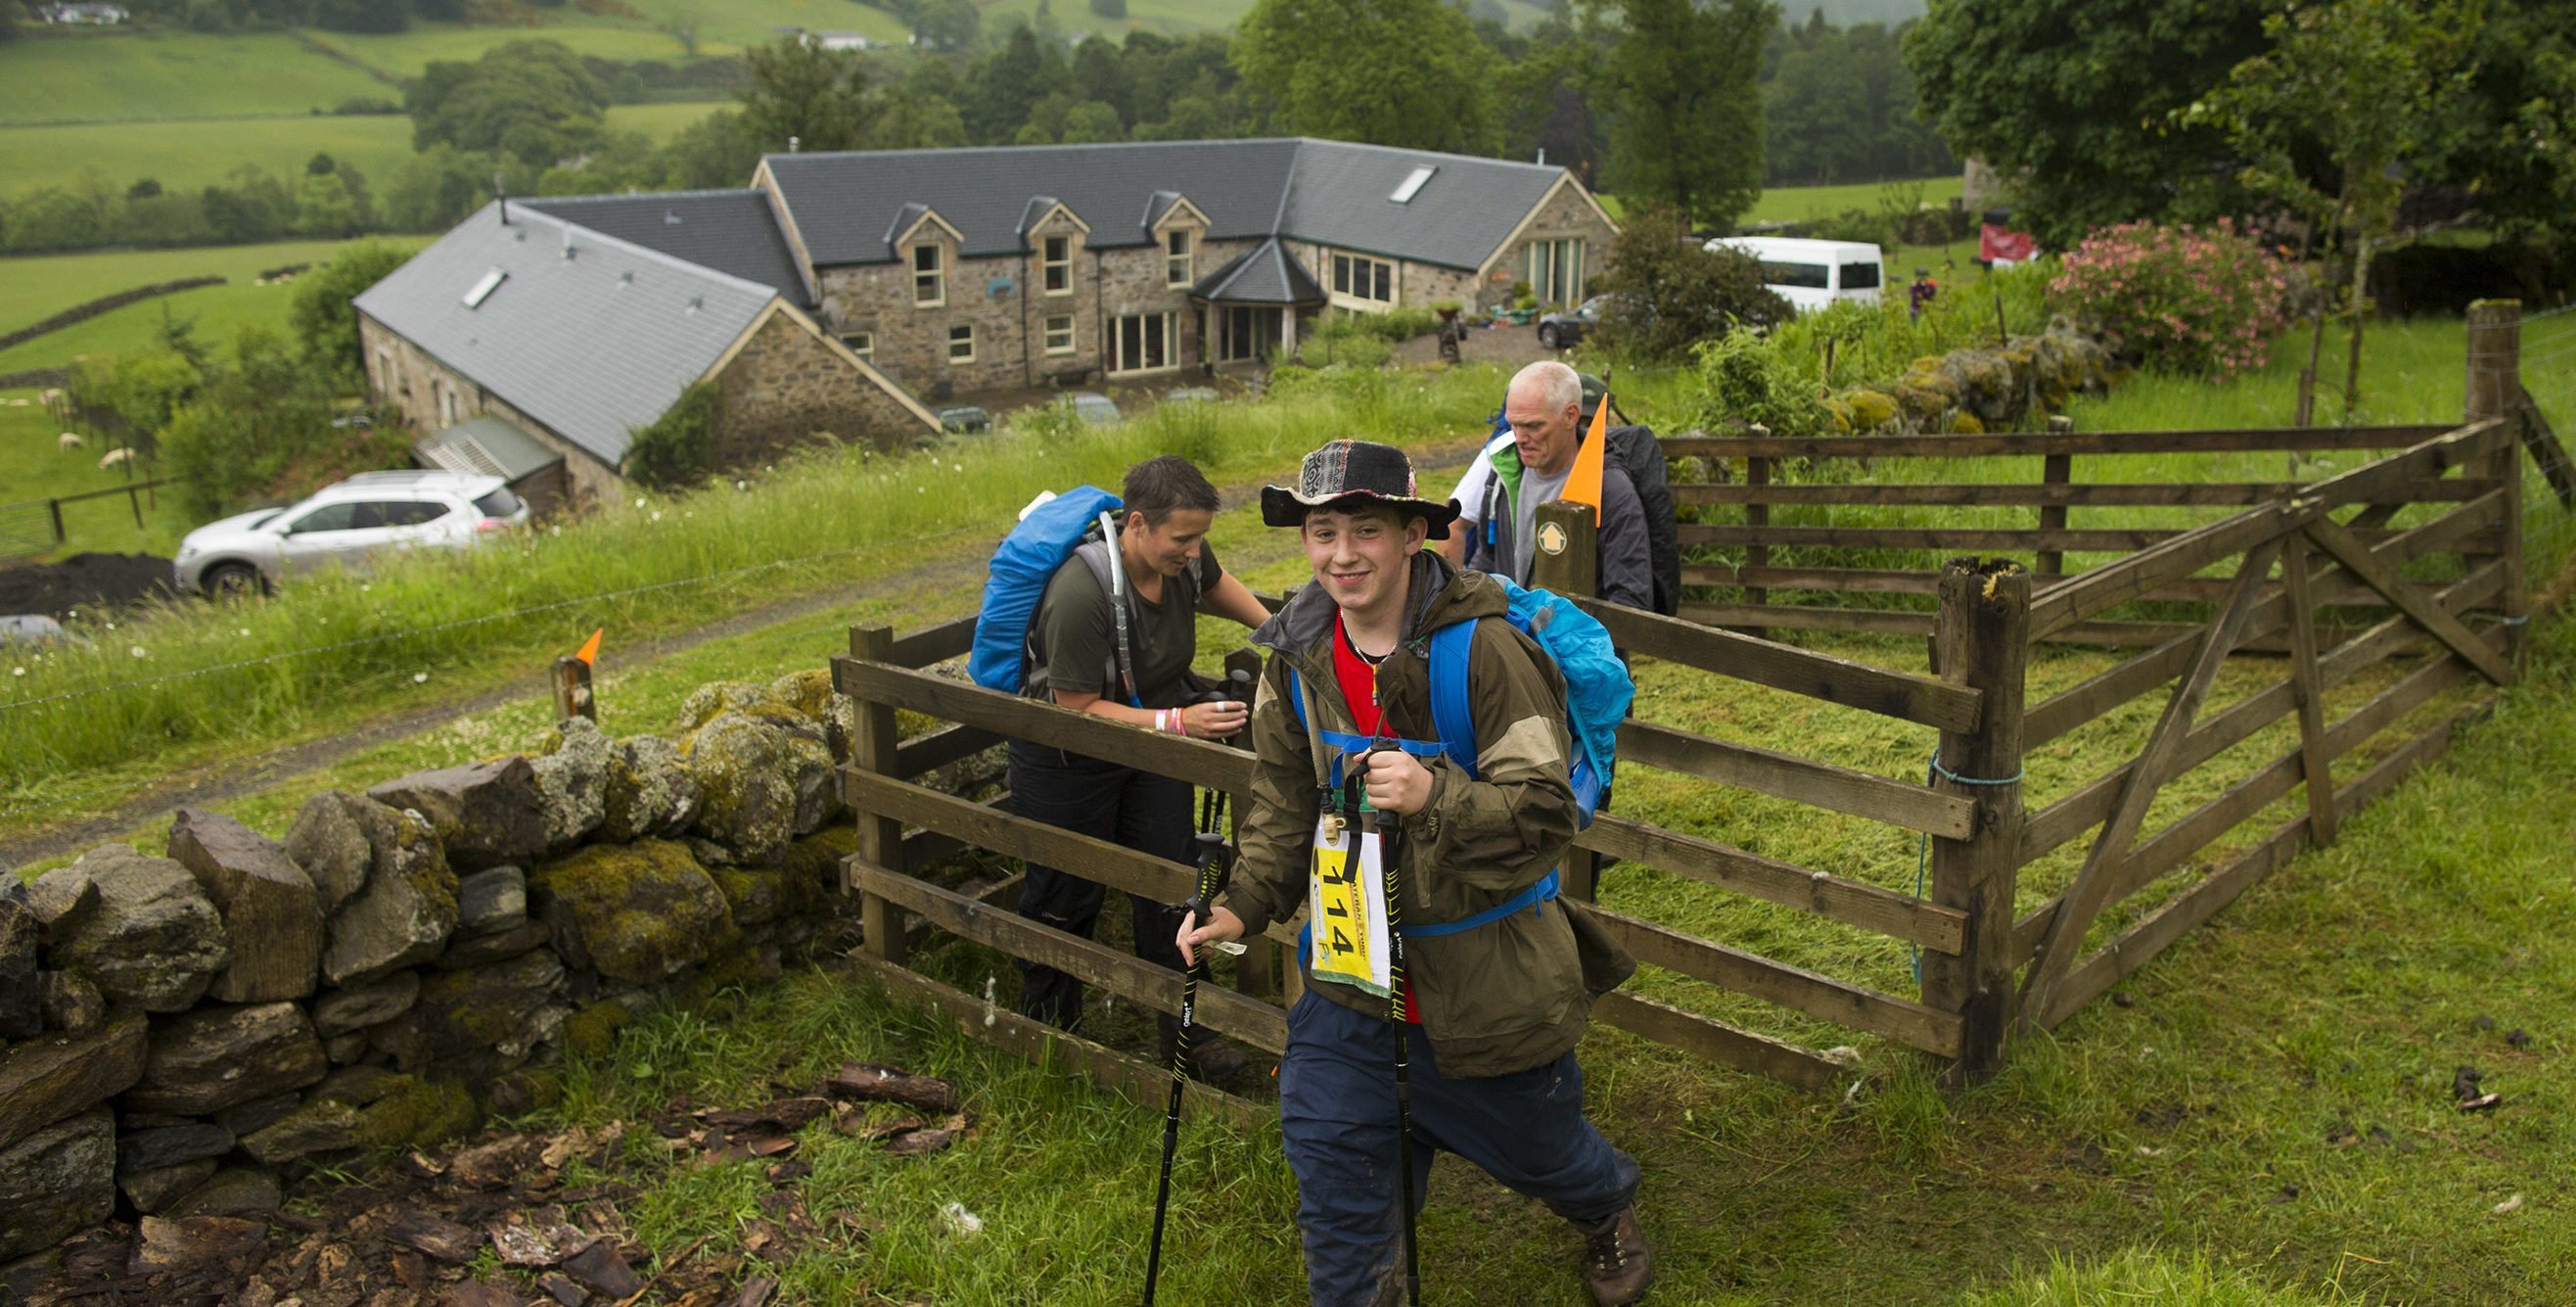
<point x="113" y="457"/>
<point x="68" y="440"/>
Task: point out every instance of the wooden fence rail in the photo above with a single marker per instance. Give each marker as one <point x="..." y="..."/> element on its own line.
<point x="2325" y="573"/>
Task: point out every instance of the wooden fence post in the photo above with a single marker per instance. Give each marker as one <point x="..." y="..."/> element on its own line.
<point x="1983" y="643"/>
<point x="1566" y="558"/>
<point x="572" y="690"/>
<point x="2055" y="470"/>
<point x="2495" y="391"/>
<point x="872" y="748"/>
<point x="1757" y="472"/>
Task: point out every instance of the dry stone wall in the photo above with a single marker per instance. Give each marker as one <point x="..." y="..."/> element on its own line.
<point x="183" y="1032"/>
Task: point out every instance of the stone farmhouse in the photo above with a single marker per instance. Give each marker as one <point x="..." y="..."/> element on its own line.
<point x="840" y="290"/>
<point x="576" y="337"/>
<point x="980" y="269"/>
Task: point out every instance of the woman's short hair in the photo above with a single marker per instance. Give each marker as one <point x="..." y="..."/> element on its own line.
<point x="1164" y="485"/>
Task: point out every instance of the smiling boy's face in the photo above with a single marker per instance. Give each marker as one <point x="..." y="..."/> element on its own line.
<point x="1361" y="557"/>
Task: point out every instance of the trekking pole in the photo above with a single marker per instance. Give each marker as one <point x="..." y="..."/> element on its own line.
<point x="1209" y="854"/>
<point x="1356" y="800"/>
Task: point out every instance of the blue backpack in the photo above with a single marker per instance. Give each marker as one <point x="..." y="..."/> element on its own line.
<point x="1597" y="693"/>
<point x="1048" y="534"/>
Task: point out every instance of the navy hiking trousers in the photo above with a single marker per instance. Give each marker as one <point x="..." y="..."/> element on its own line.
<point x="1143" y="811"/>
<point x="1337" y="1112"/>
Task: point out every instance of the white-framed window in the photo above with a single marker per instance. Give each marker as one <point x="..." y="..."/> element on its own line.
<point x="1144" y="342"/>
<point x="1359" y="277"/>
<point x="1177" y="250"/>
<point x="1059" y="334"/>
<point x="1056" y="262"/>
<point x="961" y="343"/>
<point x="861" y="343"/>
<point x="1556" y="271"/>
<point x="447" y="403"/>
<point x="929" y="278"/>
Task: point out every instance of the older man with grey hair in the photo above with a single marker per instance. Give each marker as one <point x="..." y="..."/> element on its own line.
<point x="1499" y="497"/>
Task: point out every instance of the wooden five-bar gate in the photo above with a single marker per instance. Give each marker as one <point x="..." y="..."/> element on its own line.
<point x="2405" y="551"/>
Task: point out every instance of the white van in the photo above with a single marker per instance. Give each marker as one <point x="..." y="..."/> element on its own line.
<point x="1811" y="274"/>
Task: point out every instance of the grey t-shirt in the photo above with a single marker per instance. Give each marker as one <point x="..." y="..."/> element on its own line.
<point x="1074" y="641"/>
<point x="1536" y="489"/>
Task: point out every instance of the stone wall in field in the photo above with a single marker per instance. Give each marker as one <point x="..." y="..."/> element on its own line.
<point x="184" y="1029"/>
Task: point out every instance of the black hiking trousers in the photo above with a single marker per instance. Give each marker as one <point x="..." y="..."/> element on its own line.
<point x="1143" y="811"/>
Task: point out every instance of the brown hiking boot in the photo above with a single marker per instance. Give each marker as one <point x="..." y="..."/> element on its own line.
<point x="1616" y="1262"/>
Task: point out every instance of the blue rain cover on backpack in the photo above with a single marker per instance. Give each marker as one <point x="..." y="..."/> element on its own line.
<point x="1597" y="688"/>
<point x="1026" y="560"/>
<point x="1597" y="691"/>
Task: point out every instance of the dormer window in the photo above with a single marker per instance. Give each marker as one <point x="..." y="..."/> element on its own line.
<point x="1056" y="261"/>
<point x="929" y="278"/>
<point x="1176" y="257"/>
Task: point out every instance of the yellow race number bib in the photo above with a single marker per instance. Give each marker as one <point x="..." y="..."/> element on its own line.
<point x="1346" y="908"/>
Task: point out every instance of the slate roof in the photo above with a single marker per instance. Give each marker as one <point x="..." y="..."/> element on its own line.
<point x="589" y="346"/>
<point x="848" y="206"/>
<point x="730" y="231"/>
<point x="487" y="446"/>
<point x="1263" y="274"/>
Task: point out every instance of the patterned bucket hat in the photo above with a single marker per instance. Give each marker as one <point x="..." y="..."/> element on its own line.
<point x="1355" y="470"/>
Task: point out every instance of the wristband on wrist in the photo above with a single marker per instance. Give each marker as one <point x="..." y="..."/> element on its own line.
<point x="1181" y="722"/>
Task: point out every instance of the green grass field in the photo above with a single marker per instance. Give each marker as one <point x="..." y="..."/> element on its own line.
<point x="33" y="466"/>
<point x="192" y="153"/>
<point x="40" y="287"/>
<point x="157" y="75"/>
<point x="1790" y="203"/>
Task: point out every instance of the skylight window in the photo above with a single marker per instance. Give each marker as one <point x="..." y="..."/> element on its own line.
<point x="1404" y="194"/>
<point x="483" y="289"/>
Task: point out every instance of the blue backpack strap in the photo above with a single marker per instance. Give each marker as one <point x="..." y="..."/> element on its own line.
<point x="1534" y="896"/>
<point x="1451" y="715"/>
<point x="1344" y="744"/>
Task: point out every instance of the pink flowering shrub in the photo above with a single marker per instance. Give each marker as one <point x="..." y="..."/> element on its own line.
<point x="2195" y="300"/>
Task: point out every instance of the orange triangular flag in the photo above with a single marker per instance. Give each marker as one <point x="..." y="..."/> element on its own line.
<point x="590" y="648"/>
<point x="1583" y="484"/>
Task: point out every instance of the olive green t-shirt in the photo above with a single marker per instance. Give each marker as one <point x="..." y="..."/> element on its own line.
<point x="1074" y="643"/>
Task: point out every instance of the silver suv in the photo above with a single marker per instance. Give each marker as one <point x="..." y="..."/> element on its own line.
<point x="345" y="524"/>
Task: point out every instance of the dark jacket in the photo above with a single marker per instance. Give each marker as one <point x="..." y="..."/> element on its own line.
<point x="1498" y="998"/>
<point x="1627" y="564"/>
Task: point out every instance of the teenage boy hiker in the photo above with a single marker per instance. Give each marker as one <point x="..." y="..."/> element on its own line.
<point x="1500" y="494"/>
<point x="1171" y="577"/>
<point x="1492" y="1012"/>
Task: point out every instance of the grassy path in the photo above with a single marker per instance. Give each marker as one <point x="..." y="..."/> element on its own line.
<point x="641" y="686"/>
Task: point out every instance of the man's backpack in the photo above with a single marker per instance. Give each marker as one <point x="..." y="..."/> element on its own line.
<point x="1639" y="454"/>
<point x="1075" y="524"/>
<point x="1597" y="692"/>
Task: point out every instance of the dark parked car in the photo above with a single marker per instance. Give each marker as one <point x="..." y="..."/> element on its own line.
<point x="965" y="419"/>
<point x="1563" y="329"/>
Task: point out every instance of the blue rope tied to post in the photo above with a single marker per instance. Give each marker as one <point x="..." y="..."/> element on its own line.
<point x="1923" y="842"/>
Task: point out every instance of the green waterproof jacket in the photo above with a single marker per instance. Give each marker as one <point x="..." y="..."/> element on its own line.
<point x="1498" y="998"/>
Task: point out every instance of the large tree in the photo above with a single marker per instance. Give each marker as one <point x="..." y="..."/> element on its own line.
<point x="530" y="99"/>
<point x="801" y="92"/>
<point x="2075" y="101"/>
<point x="1680" y="82"/>
<point x="1390" y="72"/>
<point x="2356" y="85"/>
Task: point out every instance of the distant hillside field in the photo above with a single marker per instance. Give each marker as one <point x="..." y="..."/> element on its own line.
<point x="1794" y="203"/>
<point x="144" y="75"/>
<point x="33" y="289"/>
<point x="188" y="154"/>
